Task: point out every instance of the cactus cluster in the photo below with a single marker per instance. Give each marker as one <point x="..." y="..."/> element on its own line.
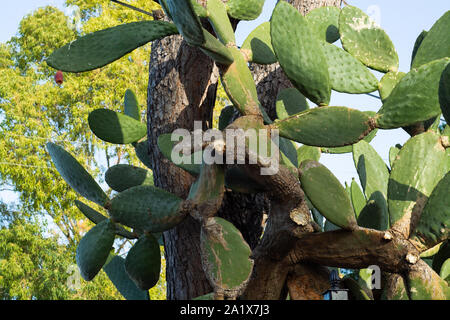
<point x="405" y="203"/>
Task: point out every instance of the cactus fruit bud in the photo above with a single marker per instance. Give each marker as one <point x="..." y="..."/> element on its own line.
<point x="59" y="77"/>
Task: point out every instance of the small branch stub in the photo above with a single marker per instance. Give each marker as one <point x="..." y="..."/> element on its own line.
<point x="411" y="258"/>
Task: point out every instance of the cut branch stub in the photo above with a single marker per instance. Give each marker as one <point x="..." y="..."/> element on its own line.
<point x="207" y="191"/>
<point x="114" y="127"/>
<point x="300" y="54"/>
<point x="93" y="249"/>
<point x="143" y="262"/>
<point x="435" y="45"/>
<point x="327" y="194"/>
<point x="131" y="105"/>
<point x="366" y="41"/>
<point x="420" y="165"/>
<point x="147" y="208"/>
<point x="415" y="98"/>
<point x="324" y="22"/>
<point x="123" y="176"/>
<point x="75" y="175"/>
<point x="187" y="22"/>
<point x="245" y="9"/>
<point x="347" y="74"/>
<point x="225" y="257"/>
<point x="434" y="222"/>
<point x="326" y="126"/>
<point x="115" y="270"/>
<point x="374" y="176"/>
<point x="257" y="47"/>
<point x="100" y="48"/>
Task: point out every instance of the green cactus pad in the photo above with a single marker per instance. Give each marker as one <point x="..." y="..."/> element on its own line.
<point x="131" y="105"/>
<point x="442" y="256"/>
<point x="423" y="288"/>
<point x="319" y="183"/>
<point x="239" y="85"/>
<point x="166" y="145"/>
<point x="356" y="289"/>
<point x="358" y="198"/>
<point x="216" y="50"/>
<point x="96" y="217"/>
<point x="374" y="176"/>
<point x="147" y="208"/>
<point x="388" y="83"/>
<point x="444" y="93"/>
<point x="415" y="98"/>
<point x="290" y="102"/>
<point x="187" y="22"/>
<point x="417" y="45"/>
<point x="393" y="153"/>
<point x="434" y="222"/>
<point x="245" y="9"/>
<point x="199" y="10"/>
<point x="226" y="117"/>
<point x="220" y="21"/>
<point x="209" y="296"/>
<point x="93" y="249"/>
<point x="207" y="191"/>
<point x="257" y="47"/>
<point x="445" y="271"/>
<point x="346" y="73"/>
<point x="420" y="165"/>
<point x="326" y="126"/>
<point x="432" y="251"/>
<point x="142" y="152"/>
<point x="435" y="45"/>
<point x="123" y="176"/>
<point x="225" y="256"/>
<point x="163" y="4"/>
<point x="115" y="270"/>
<point x="329" y="226"/>
<point x="372" y="216"/>
<point x="143" y="262"/>
<point x="100" y="48"/>
<point x="75" y="175"/>
<point x="300" y="53"/>
<point x="93" y="215"/>
<point x="324" y="22"/>
<point x="308" y="153"/>
<point x="366" y="41"/>
<point x="114" y="127"/>
<point x="349" y="149"/>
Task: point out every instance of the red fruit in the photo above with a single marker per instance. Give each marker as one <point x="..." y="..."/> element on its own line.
<point x="59" y="77"/>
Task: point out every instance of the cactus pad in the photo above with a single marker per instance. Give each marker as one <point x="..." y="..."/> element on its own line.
<point x="388" y="83"/>
<point x="147" y="208"/>
<point x="245" y="9"/>
<point x="186" y="20"/>
<point x="324" y="22"/>
<point x="444" y="93"/>
<point x="115" y="270"/>
<point x="257" y="47"/>
<point x="225" y="256"/>
<point x="346" y="73"/>
<point x="300" y="53"/>
<point x="75" y="175"/>
<point x="289" y="102"/>
<point x="326" y="126"/>
<point x="220" y="21"/>
<point x="435" y="45"/>
<point x="358" y="198"/>
<point x="114" y="127"/>
<point x="100" y="48"/>
<point x="123" y="176"/>
<point x="319" y="184"/>
<point x="415" y="98"/>
<point x="93" y="249"/>
<point x="131" y="106"/>
<point x="143" y="262"/>
<point x="308" y="153"/>
<point x="366" y="41"/>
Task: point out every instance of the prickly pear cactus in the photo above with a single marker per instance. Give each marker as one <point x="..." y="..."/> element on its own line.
<point x="398" y="218"/>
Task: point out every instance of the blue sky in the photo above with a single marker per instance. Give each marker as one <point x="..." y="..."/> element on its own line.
<point x="402" y="20"/>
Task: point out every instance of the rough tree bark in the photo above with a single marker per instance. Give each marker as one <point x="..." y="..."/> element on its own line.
<point x="182" y="89"/>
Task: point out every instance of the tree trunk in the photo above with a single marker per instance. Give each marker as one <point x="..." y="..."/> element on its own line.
<point x="182" y="89"/>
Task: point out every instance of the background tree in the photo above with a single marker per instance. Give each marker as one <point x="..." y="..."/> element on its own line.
<point x="33" y="109"/>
